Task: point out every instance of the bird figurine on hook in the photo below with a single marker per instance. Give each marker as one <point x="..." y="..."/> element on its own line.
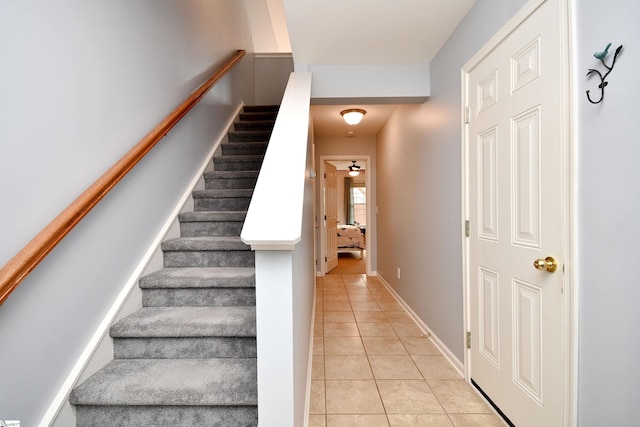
<point x="601" y="56"/>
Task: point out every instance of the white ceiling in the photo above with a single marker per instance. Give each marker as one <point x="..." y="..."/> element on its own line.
<point x="372" y="31"/>
<point x="365" y="33"/>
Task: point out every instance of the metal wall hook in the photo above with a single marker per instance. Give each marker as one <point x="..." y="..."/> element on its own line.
<point x="601" y="56"/>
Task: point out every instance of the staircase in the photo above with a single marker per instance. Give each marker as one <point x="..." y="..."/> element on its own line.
<point x="188" y="356"/>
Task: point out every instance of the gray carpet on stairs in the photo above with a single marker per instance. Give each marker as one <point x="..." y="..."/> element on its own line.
<point x="188" y="356"/>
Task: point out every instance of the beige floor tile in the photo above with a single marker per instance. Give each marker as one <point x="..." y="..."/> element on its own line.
<point x="336" y="306"/>
<point x="394" y="367"/>
<point x="353" y="397"/>
<point x="317" y="400"/>
<point x="357" y="289"/>
<point x="357" y="420"/>
<point x="317" y="421"/>
<point x="318" y="346"/>
<point x="362" y="284"/>
<point x="330" y="279"/>
<point x="335" y="299"/>
<point x="340" y="330"/>
<point x="476" y="420"/>
<point x="334" y="289"/>
<point x="407" y="329"/>
<point x="376" y="330"/>
<point x="343" y="346"/>
<point x="398" y="316"/>
<point x="347" y="368"/>
<point x="383" y="345"/>
<point x="317" y="368"/>
<point x="370" y="316"/>
<point x="420" y="346"/>
<point x="361" y="298"/>
<point x="354" y="278"/>
<point x="318" y="329"/>
<point x="385" y="298"/>
<point x="339" y="317"/>
<point x="365" y="306"/>
<point x="436" y="368"/>
<point x="421" y="420"/>
<point x="408" y="396"/>
<point x="391" y="306"/>
<point x="456" y="396"/>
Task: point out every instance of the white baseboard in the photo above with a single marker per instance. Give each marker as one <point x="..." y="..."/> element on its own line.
<point x="100" y="343"/>
<point x="455" y="362"/>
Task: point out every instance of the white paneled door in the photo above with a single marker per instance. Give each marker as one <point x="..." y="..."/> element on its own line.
<point x="331" y="215"/>
<point x="516" y="143"/>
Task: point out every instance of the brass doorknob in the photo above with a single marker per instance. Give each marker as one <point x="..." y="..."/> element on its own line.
<point x="548" y="264"/>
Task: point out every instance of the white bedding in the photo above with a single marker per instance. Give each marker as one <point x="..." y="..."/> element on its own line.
<point x="350" y="236"/>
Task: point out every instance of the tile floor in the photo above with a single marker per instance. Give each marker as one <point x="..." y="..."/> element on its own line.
<point x="373" y="366"/>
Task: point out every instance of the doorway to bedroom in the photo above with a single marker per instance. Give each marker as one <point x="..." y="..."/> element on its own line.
<point x="344" y="213"/>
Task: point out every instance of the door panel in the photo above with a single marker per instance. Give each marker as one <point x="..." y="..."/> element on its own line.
<point x="516" y="188"/>
<point x="331" y="215"/>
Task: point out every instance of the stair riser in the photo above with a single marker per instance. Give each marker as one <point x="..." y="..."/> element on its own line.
<point x="198" y="297"/>
<point x="218" y="204"/>
<point x="249" y="136"/>
<point x="248" y="149"/>
<point x="184" y="348"/>
<point x="222" y="164"/>
<point x="229" y="183"/>
<point x="222" y="258"/>
<point x="214" y="228"/>
<point x="253" y="126"/>
<point x="261" y="108"/>
<point x="174" y="416"/>
<point x="249" y="117"/>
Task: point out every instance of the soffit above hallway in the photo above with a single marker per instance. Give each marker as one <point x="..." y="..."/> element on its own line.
<point x="373" y="32"/>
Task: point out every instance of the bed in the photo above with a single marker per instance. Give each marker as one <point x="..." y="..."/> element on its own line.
<point x="350" y="238"/>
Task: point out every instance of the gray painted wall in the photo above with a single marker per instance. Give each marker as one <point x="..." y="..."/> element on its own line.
<point x="608" y="147"/>
<point x="418" y="184"/>
<point x="272" y="76"/>
<point x="81" y="83"/>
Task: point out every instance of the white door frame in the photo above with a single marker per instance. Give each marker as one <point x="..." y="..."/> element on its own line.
<point x="570" y="311"/>
<point x="323" y="226"/>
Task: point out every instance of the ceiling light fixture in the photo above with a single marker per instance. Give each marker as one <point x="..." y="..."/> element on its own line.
<point x="352" y="116"/>
<point x="353" y="169"/>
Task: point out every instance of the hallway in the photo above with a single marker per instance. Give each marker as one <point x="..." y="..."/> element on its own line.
<point x="374" y="367"/>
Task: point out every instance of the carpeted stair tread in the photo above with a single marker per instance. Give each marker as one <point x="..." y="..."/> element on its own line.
<point x="228" y="243"/>
<point x="167" y="416"/>
<point x="231" y="174"/>
<point x="249" y="135"/>
<point x="253" y="125"/>
<point x="149" y="322"/>
<point x="201" y="277"/>
<point x="244" y="148"/>
<point x="223" y="193"/>
<point x="203" y="382"/>
<point x="207" y="216"/>
<point x="259" y="116"/>
<point x="239" y="158"/>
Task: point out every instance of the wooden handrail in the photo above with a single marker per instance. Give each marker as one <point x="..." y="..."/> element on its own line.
<point x="39" y="247"/>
